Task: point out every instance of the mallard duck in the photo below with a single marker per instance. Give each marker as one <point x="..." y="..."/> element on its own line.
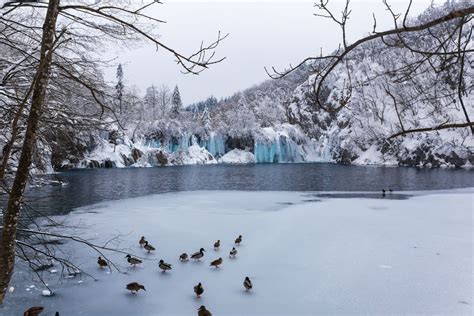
<point x="132" y="260"/>
<point x="183" y="257"/>
<point x="148" y="247"/>
<point x="101" y="262"/>
<point x="217" y="244"/>
<point x="216" y="263"/>
<point x="142" y="241"/>
<point x="33" y="311"/>
<point x="202" y="311"/>
<point x="383" y="192"/>
<point x="238" y="240"/>
<point x="198" y="289"/>
<point x="247" y="284"/>
<point x="233" y="252"/>
<point x="134" y="287"/>
<point x="164" y="266"/>
<point x="198" y="255"/>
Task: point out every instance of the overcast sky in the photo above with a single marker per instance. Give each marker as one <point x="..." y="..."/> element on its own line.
<point x="262" y="33"/>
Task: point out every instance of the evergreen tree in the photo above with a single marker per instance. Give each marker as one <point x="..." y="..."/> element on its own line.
<point x="176" y="103"/>
<point x="119" y="87"/>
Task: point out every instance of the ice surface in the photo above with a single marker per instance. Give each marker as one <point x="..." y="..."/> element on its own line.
<point x="336" y="256"/>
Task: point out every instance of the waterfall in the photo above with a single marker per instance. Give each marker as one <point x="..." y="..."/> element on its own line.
<point x="279" y="149"/>
<point x="215" y="145"/>
<point x="273" y="148"/>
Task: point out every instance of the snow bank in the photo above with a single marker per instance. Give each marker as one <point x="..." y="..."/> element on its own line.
<point x="306" y="255"/>
<point x="194" y="155"/>
<point x="238" y="156"/>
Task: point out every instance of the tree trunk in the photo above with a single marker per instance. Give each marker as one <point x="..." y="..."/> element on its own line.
<point x="11" y="214"/>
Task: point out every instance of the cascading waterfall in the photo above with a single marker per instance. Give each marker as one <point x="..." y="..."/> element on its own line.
<point x="275" y="149"/>
<point x="215" y="145"/>
<point x="279" y="149"/>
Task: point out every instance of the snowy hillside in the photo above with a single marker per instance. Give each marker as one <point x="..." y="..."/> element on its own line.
<point x="278" y="121"/>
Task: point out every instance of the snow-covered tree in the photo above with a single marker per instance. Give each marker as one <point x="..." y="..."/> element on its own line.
<point x="68" y="44"/>
<point x="176" y="103"/>
<point x="119" y="87"/>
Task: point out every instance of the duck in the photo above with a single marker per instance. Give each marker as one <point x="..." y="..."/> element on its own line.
<point x="148" y="247"/>
<point x="183" y="257"/>
<point x="132" y="260"/>
<point x="390" y="190"/>
<point x="238" y="240"/>
<point x="383" y="192"/>
<point x="217" y="244"/>
<point x="101" y="262"/>
<point x="142" y="241"/>
<point x="198" y="289"/>
<point x="247" y="284"/>
<point x="202" y="311"/>
<point x="134" y="287"/>
<point x="233" y="252"/>
<point x="198" y="255"/>
<point x="164" y="266"/>
<point x="216" y="263"/>
<point x="33" y="311"/>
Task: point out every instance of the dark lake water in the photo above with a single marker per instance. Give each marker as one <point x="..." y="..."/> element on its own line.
<point x="90" y="186"/>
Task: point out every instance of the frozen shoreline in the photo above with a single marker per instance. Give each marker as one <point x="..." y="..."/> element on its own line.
<point x="330" y="256"/>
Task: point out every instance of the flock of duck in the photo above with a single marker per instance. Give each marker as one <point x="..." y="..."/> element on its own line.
<point x="134" y="287"/>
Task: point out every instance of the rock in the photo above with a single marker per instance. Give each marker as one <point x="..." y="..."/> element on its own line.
<point x="108" y="164"/>
<point x="161" y="158"/>
<point x="93" y="164"/>
<point x="126" y="160"/>
<point x="346" y="157"/>
<point x="136" y="154"/>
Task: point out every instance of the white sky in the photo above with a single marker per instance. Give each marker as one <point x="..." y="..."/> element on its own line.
<point x="262" y="33"/>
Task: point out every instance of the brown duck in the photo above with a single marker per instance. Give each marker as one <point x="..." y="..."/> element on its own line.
<point x="148" y="247"/>
<point x="216" y="263"/>
<point x="183" y="257"/>
<point x="134" y="287"/>
<point x="217" y="244"/>
<point x="33" y="311"/>
<point x="101" y="262"/>
<point x="198" y="289"/>
<point x="238" y="240"/>
<point x="142" y="241"/>
<point x="202" y="311"/>
<point x="132" y="260"/>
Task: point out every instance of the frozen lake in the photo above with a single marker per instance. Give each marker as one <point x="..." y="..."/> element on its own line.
<point x="306" y="255"/>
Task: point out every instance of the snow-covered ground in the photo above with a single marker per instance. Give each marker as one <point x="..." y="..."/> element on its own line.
<point x="306" y="255"/>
